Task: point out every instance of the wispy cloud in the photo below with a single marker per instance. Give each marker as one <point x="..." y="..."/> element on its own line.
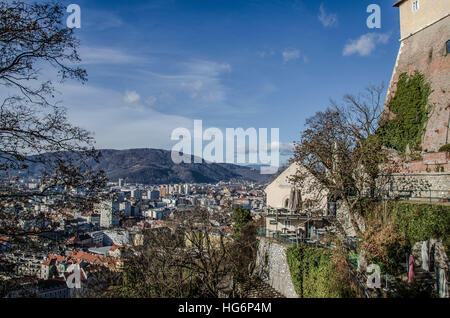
<point x="365" y="44"/>
<point x="201" y="80"/>
<point x="106" y="55"/>
<point x="195" y="85"/>
<point x="131" y="97"/>
<point x="327" y="19"/>
<point x="266" y="53"/>
<point x="101" y="19"/>
<point x="284" y="148"/>
<point x="151" y="100"/>
<point x="121" y="126"/>
<point x="290" y="55"/>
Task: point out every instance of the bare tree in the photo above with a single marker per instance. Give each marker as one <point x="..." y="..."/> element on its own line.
<point x="38" y="144"/>
<point x="341" y="150"/>
<point x="190" y="258"/>
<point x="36" y="138"/>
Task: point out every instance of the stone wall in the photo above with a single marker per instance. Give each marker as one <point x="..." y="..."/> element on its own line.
<point x="430" y="162"/>
<point x="422" y="186"/>
<point x="272" y="267"/>
<point x="425" y="51"/>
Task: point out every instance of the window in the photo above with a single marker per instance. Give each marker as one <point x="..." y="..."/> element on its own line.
<point x="447" y="47"/>
<point x="415" y="6"/>
<point x="287" y="223"/>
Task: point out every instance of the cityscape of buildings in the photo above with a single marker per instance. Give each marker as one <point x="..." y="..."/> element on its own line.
<point x="105" y="234"/>
<point x="62" y="239"/>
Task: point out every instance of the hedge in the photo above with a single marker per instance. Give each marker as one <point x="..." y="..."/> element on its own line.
<point x="314" y="273"/>
<point x="420" y="222"/>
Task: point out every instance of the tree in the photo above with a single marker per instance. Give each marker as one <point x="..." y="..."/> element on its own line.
<point x="189" y="258"/>
<point x="340" y="150"/>
<point x="241" y="217"/>
<point x="36" y="138"/>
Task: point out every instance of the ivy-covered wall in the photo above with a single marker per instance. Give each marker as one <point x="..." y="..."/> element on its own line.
<point x="420" y="222"/>
<point x="410" y="107"/>
<point x="314" y="273"/>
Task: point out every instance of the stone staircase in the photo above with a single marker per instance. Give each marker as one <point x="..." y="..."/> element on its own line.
<point x="424" y="277"/>
<point x="260" y="289"/>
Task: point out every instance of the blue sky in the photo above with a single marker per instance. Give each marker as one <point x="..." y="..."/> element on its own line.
<point x="157" y="65"/>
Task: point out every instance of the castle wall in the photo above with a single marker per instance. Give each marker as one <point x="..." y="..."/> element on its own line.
<point x="425" y="51"/>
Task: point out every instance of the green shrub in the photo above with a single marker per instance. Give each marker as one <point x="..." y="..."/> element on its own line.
<point x="241" y="217"/>
<point x="420" y="222"/>
<point x="294" y="257"/>
<point x="410" y="106"/>
<point x="445" y="148"/>
<point x="314" y="274"/>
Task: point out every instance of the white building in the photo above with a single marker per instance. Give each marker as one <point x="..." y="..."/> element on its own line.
<point x="187" y="189"/>
<point x="136" y="194"/>
<point x="283" y="194"/>
<point x="116" y="237"/>
<point x="108" y="210"/>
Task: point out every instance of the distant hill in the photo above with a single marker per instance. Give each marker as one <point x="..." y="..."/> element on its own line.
<point x="155" y="166"/>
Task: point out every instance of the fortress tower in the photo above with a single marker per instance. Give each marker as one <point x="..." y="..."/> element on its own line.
<point x="425" y="47"/>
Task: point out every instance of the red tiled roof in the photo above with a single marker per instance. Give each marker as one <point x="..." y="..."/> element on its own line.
<point x="53" y="257"/>
<point x="115" y="247"/>
<point x="80" y="255"/>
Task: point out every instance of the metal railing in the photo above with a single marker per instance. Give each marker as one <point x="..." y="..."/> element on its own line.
<point x="426" y="195"/>
<point x="290" y="239"/>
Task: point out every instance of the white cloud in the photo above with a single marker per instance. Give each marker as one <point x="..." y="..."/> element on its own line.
<point x="286" y="148"/>
<point x="290" y="55"/>
<point x="365" y="44"/>
<point x="131" y="97"/>
<point x="327" y="19"/>
<point x="121" y="126"/>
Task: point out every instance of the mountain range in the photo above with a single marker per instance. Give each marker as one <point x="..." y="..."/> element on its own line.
<point x="155" y="166"/>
